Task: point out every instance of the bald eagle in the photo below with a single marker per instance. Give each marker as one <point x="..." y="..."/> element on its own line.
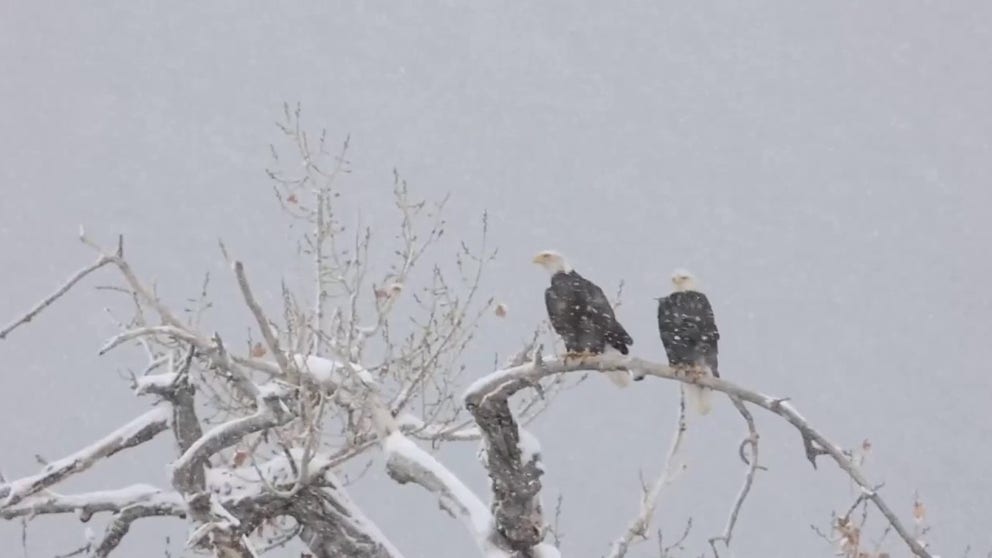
<point x="581" y="314"/>
<point x="689" y="334"/>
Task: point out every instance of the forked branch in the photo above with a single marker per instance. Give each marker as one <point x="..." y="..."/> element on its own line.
<point x="638" y="528"/>
<point x="535" y="371"/>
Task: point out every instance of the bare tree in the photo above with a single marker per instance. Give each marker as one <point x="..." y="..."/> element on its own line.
<point x="367" y="359"/>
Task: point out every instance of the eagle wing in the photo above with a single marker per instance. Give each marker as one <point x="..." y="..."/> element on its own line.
<point x="708" y="335"/>
<point x="666" y="321"/>
<point x="707" y="324"/>
<point x="604" y="317"/>
<point x="557" y="312"/>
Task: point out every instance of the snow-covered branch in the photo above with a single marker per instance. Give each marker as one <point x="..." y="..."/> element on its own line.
<point x="174" y="332"/>
<point x="271" y="412"/>
<point x="516" y="483"/>
<point x="492" y="385"/>
<point x="138" y="431"/>
<point x="121" y="525"/>
<point x="333" y="525"/>
<point x="89" y="503"/>
<point x="407" y="462"/>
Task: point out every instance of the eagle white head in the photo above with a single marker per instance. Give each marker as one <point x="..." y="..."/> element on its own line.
<point x="552" y="261"/>
<point x="683" y="280"/>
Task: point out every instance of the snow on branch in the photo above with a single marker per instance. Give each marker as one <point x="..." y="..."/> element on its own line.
<point x="180" y="333"/>
<point x="128" y="505"/>
<point x="407" y="462"/>
<point x="271" y="412"/>
<point x="89" y="503"/>
<point x="138" y="431"/>
<point x="496" y="384"/>
<point x="516" y="483"/>
<point x="333" y="525"/>
<point x="279" y="472"/>
<point x="121" y="525"/>
<point x="330" y="374"/>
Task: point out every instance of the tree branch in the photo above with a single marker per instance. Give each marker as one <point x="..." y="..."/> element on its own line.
<point x="89" y="503"/>
<point x="638" y="528"/>
<point x="263" y="323"/>
<point x="516" y="484"/>
<point x="38" y="308"/>
<point x="532" y="372"/>
<point x="333" y="526"/>
<point x="406" y="462"/>
<point x="136" y="432"/>
<point x="751" y="441"/>
<point x="270" y="413"/>
<point x="120" y="526"/>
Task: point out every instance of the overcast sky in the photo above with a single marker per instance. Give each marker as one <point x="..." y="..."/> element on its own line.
<point x="824" y="168"/>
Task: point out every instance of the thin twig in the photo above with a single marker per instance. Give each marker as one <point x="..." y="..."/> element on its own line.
<point x="38" y="308"/>
<point x="751" y="441"/>
<point x="263" y="323"/>
<point x="638" y="528"/>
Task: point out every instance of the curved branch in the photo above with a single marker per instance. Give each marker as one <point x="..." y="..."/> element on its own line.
<point x="120" y="526"/>
<point x="271" y="412"/>
<point x="406" y="462"/>
<point x="752" y="467"/>
<point x="534" y="371"/>
<point x="516" y="477"/>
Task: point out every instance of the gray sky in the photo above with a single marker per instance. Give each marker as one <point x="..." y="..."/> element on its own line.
<point x="824" y="169"/>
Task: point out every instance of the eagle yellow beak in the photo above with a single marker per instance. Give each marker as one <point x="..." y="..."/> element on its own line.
<point x="538" y="259"/>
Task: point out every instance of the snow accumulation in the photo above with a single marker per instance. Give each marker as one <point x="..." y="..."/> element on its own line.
<point x="160" y="381"/>
<point x="358" y="518"/>
<point x="271" y="389"/>
<point x="120" y="498"/>
<point x="129" y="495"/>
<point x="328" y="372"/>
<point x="530" y="448"/>
<point x="498" y="376"/>
<point x="234" y="484"/>
<point x="396" y="444"/>
<point x="84" y="458"/>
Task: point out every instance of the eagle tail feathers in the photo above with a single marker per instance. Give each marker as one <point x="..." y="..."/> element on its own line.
<point x="698" y="398"/>
<point x="620" y="378"/>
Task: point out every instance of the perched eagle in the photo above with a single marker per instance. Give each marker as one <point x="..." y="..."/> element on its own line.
<point x="688" y="331"/>
<point x="581" y="314"/>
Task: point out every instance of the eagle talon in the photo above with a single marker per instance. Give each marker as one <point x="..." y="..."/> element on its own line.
<point x="695" y="372"/>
